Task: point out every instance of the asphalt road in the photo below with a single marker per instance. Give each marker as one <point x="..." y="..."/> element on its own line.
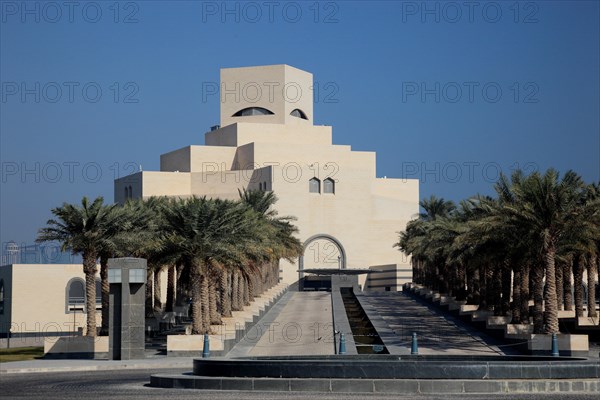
<point x="132" y="384"/>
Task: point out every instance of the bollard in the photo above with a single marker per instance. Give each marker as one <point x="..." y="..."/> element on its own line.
<point x="414" y="348"/>
<point x="555" y="352"/>
<point x="342" y="344"/>
<point x="206" y="349"/>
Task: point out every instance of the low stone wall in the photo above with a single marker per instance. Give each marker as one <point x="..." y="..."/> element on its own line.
<point x="225" y="336"/>
<point x="568" y="345"/>
<point x="193" y="344"/>
<point x="76" y="347"/>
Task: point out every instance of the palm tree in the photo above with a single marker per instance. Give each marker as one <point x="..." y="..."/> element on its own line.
<point x="537" y="223"/>
<point x="591" y="211"/>
<point x="83" y="230"/>
<point x="203" y="232"/>
<point x="279" y="239"/>
<point x="545" y="211"/>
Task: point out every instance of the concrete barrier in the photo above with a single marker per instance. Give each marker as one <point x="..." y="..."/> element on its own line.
<point x="76" y="347"/>
<point x="511" y="330"/>
<point x="568" y="345"/>
<point x="468" y="309"/>
<point x="193" y="343"/>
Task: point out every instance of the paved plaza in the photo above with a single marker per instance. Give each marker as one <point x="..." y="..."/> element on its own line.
<point x="299" y="324"/>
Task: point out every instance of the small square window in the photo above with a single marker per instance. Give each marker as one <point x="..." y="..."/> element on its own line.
<point x="114" y="275"/>
<point x="137" y="275"/>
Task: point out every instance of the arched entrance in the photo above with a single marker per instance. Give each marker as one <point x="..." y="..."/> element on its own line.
<point x="324" y="250"/>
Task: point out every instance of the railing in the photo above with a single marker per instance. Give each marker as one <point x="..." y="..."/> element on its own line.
<point x="78" y="303"/>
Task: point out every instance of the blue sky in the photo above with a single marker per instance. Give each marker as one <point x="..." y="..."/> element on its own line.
<point x="447" y="92"/>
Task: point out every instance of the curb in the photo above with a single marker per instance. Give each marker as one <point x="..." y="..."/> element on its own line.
<point x="405" y="386"/>
<point x="84" y="368"/>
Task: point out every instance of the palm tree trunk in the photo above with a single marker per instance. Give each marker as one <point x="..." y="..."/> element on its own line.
<point x="516" y="297"/>
<point x="538" y="298"/>
<point x="246" y="292"/>
<point x="181" y="296"/>
<point x="205" y="302"/>
<point x="197" y="319"/>
<point x="487" y="287"/>
<point x="551" y="311"/>
<point x="235" y="283"/>
<point x="215" y="316"/>
<point x="579" y="262"/>
<point x="497" y="289"/>
<point x="89" y="269"/>
<point x="591" y="280"/>
<point x="567" y="283"/>
<point x="560" y="299"/>
<point x="524" y="292"/>
<point x="473" y="284"/>
<point x="170" y="289"/>
<point x="506" y="288"/>
<point x="483" y="287"/>
<point x="415" y="268"/>
<point x="105" y="295"/>
<point x="157" y="290"/>
<point x="225" y="294"/>
<point x="461" y="285"/>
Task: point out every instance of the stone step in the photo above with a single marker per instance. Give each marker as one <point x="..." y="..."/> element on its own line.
<point x="518" y="329"/>
<point x="481" y="315"/>
<point x="456" y="305"/>
<point x="231" y="328"/>
<point x="497" y="322"/>
<point x="468" y="309"/>
<point x="587" y="321"/>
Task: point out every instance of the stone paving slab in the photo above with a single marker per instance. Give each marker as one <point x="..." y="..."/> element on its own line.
<point x="302" y="326"/>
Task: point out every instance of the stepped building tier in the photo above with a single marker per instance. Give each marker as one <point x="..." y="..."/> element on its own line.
<point x="267" y="140"/>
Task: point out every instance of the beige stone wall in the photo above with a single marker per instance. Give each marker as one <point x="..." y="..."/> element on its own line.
<point x="38" y="298"/>
<point x="242" y="133"/>
<point x="278" y="88"/>
<point x="198" y="159"/>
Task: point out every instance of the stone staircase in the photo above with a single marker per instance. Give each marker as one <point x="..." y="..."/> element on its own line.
<point x="518" y="336"/>
<point x="397" y="315"/>
<point x="223" y="337"/>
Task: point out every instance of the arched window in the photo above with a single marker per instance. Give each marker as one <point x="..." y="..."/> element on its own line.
<point x="314" y="185"/>
<point x="126" y="192"/>
<point x="260" y="186"/>
<point x="265" y="186"/>
<point x="329" y="186"/>
<point x="246" y="112"/>
<point x="298" y="113"/>
<point x="75" y="295"/>
<point x="130" y="192"/>
<point x="1" y="296"/>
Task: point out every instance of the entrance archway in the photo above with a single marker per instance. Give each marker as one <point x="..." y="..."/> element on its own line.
<point x="328" y="254"/>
